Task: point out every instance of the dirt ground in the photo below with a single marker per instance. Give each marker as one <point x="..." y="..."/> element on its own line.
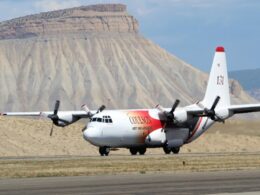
<point x="30" y="137"/>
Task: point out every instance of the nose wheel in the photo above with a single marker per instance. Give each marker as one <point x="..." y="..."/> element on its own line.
<point x="104" y="151"/>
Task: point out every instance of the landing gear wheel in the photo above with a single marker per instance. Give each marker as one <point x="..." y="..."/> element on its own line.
<point x="142" y="151"/>
<point x="104" y="151"/>
<point x="133" y="151"/>
<point x="166" y="150"/>
<point x="175" y="150"/>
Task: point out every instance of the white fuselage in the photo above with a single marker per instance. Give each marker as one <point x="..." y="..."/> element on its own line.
<point x="138" y="128"/>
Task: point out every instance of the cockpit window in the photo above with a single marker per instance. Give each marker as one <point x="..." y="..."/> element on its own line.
<point x="104" y="119"/>
<point x="107" y="119"/>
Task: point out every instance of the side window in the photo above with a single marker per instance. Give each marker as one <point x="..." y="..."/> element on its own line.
<point x="110" y="120"/>
<point x="99" y="120"/>
<point x="107" y="120"/>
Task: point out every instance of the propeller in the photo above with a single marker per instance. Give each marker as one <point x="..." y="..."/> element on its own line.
<point x="87" y="110"/>
<point x="211" y="113"/>
<point x="62" y="122"/>
<point x="169" y="115"/>
<point x="54" y="117"/>
<point x="89" y="114"/>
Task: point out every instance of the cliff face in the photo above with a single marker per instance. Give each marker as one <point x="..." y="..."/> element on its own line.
<point x="93" y="55"/>
<point x="87" y="19"/>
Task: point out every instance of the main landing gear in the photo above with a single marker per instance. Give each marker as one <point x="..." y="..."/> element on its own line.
<point x="174" y="150"/>
<point x="134" y="151"/>
<point x="104" y="151"/>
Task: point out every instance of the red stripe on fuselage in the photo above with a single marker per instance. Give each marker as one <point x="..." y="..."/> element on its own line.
<point x="195" y="129"/>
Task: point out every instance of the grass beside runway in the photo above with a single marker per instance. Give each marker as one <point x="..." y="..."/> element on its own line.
<point x="80" y="166"/>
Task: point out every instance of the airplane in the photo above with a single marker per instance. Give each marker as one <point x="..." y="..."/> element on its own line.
<point x="168" y="128"/>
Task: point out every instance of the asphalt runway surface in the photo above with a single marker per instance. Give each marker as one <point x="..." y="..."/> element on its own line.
<point x="162" y="183"/>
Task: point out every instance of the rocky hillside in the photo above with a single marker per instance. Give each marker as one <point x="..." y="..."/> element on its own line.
<point x="95" y="18"/>
<point x="250" y="81"/>
<point x="94" y="55"/>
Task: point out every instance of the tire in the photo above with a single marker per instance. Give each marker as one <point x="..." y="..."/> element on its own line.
<point x="104" y="151"/>
<point x="175" y="150"/>
<point x="133" y="151"/>
<point x="166" y="150"/>
<point x="142" y="151"/>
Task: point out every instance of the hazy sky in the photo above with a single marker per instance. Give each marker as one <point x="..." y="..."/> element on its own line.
<point x="190" y="29"/>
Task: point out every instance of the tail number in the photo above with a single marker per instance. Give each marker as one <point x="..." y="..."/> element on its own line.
<point x="220" y="80"/>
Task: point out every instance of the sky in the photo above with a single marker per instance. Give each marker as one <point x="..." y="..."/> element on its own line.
<point x="189" y="29"/>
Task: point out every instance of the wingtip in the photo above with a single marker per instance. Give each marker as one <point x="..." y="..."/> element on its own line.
<point x="220" y="49"/>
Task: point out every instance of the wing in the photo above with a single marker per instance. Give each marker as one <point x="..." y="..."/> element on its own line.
<point x="25" y="113"/>
<point x="79" y="114"/>
<point x="244" y="108"/>
<point x="235" y="109"/>
<point x="61" y="118"/>
<point x="195" y="112"/>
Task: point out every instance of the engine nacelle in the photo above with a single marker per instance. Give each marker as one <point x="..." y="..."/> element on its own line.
<point x="223" y="113"/>
<point x="156" y="138"/>
<point x="180" y="116"/>
<point x="65" y="119"/>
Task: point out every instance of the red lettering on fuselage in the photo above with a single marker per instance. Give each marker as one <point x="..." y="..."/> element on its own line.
<point x="142" y="121"/>
<point x="139" y="120"/>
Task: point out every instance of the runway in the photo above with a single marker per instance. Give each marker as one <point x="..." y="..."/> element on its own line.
<point x="162" y="183"/>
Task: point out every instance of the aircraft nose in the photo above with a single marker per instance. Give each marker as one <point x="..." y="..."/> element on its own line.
<point x="92" y="135"/>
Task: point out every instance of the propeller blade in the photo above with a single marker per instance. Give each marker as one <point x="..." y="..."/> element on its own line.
<point x="160" y="108"/>
<point x="176" y="103"/>
<point x="51" y="129"/>
<point x="56" y="107"/>
<point x="101" y="108"/>
<point x="215" y="103"/>
<point x="85" y="108"/>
